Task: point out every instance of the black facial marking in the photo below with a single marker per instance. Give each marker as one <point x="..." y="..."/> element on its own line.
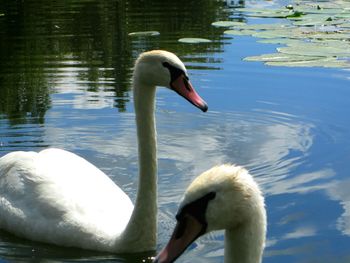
<point x="174" y="71"/>
<point x="197" y="209"/>
<point x="180" y="229"/>
<point x="187" y="86"/>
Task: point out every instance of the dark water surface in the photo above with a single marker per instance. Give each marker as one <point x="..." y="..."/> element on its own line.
<point x="65" y="82"/>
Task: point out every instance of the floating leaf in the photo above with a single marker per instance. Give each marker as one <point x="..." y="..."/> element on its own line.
<point x="144" y="33"/>
<point x="325" y="62"/>
<point x="280" y="57"/>
<point x="227" y="23"/>
<point x="295" y="14"/>
<point x="332" y="43"/>
<point x="2" y="14"/>
<point x="314" y="20"/>
<point x="328" y="35"/>
<point x="275" y="33"/>
<point x="343" y="15"/>
<point x="239" y="32"/>
<point x="318" y="36"/>
<point x="310" y="49"/>
<point x="328" y="11"/>
<point x="344" y="25"/>
<point x="191" y="40"/>
<point x="285" y="41"/>
<point x="260" y="12"/>
<point x="264" y="26"/>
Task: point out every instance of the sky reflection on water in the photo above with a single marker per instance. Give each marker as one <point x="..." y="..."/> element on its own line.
<point x="289" y="127"/>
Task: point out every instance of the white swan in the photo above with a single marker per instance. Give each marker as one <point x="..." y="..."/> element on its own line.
<point x="57" y="197"/>
<point x="224" y="197"/>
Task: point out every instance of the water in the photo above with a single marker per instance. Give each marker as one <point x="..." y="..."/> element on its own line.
<point x="65" y="82"/>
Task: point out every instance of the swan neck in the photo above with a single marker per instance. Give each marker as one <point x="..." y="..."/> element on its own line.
<point x="245" y="244"/>
<point x="141" y="231"/>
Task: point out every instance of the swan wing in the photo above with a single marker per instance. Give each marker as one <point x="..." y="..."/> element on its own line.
<point x="58" y="197"/>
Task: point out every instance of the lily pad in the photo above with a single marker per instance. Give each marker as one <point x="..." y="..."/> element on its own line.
<point x="344" y="25"/>
<point x="227" y="23"/>
<point x="318" y="34"/>
<point x="285" y="41"/>
<point x="239" y="32"/>
<point x="273" y="13"/>
<point x="276" y="33"/>
<point x="325" y="62"/>
<point x="280" y="57"/>
<point x="339" y="36"/>
<point x="343" y="15"/>
<point x="325" y="11"/>
<point x="264" y="26"/>
<point x="144" y="34"/>
<point x="310" y="49"/>
<point x="192" y="40"/>
<point x="314" y="20"/>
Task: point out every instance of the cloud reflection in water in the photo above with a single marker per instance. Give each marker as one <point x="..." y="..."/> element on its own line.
<point x="271" y="145"/>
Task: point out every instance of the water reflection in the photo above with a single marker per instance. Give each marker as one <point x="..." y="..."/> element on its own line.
<point x="83" y="47"/>
<point x="235" y="3"/>
<point x="65" y="74"/>
<point x="339" y="191"/>
<point x="271" y="144"/>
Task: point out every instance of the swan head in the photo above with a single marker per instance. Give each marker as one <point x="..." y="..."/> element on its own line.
<point x="163" y="68"/>
<point x="225" y="197"/>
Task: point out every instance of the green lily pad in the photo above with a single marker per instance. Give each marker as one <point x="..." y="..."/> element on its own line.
<point x="314" y="20"/>
<point x="344" y="25"/>
<point x="310" y="49"/>
<point x="260" y="12"/>
<point x="239" y="32"/>
<point x="2" y="14"/>
<point x="325" y="35"/>
<point x="280" y="57"/>
<point x="325" y="62"/>
<point x="227" y="23"/>
<point x="325" y="11"/>
<point x="144" y="34"/>
<point x="295" y="14"/>
<point x="264" y="26"/>
<point x="284" y="41"/>
<point x="278" y="33"/>
<point x="318" y="34"/>
<point x="343" y="15"/>
<point x="192" y="40"/>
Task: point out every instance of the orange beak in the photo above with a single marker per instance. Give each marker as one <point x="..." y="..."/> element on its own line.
<point x="184" y="88"/>
<point x="186" y="231"/>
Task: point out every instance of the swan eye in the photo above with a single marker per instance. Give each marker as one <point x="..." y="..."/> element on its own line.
<point x="197" y="208"/>
<point x="174" y="71"/>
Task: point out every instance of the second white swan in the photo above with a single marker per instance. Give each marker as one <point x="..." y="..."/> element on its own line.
<point x="57" y="197"/>
<point x="226" y="198"/>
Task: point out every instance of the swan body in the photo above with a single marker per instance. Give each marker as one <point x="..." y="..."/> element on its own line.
<point x="46" y="200"/>
<point x="57" y="197"/>
<point x="224" y="197"/>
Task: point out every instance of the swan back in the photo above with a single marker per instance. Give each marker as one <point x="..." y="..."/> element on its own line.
<point x="58" y="197"/>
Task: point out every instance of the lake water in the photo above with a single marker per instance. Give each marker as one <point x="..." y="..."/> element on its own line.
<point x="65" y="82"/>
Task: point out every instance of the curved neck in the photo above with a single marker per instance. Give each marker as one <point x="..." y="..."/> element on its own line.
<point x="141" y="231"/>
<point x="245" y="244"/>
